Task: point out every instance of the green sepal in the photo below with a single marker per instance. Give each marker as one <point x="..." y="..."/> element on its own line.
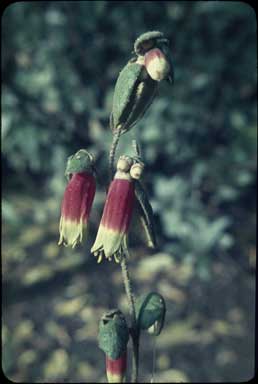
<point x="113" y="334"/>
<point x="150" y="312"/>
<point x="81" y="161"/>
<point x="146" y="214"/>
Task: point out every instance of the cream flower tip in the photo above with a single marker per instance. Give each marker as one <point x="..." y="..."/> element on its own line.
<point x="71" y="232"/>
<point x="158" y="68"/>
<point x="114" y="378"/>
<point x="124" y="163"/>
<point x="136" y="171"/>
<point x="112" y="242"/>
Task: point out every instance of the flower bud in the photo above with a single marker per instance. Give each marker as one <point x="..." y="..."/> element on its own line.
<point x="124" y="163"/>
<point x="156" y="64"/>
<point x="136" y="170"/>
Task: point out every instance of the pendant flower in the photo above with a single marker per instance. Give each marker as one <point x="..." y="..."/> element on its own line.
<point x="117" y="211"/>
<point x="78" y="198"/>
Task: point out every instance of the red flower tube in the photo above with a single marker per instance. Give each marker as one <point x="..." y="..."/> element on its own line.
<point x="77" y="200"/>
<point x="117" y="213"/>
<point x="116" y="369"/>
<point x="115" y="219"/>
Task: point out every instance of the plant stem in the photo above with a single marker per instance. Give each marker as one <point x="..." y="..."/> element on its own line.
<point x="134" y="329"/>
<point x="112" y="151"/>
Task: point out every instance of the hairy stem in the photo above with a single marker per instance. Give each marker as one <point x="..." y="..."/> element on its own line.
<point x="134" y="329"/>
<point x="112" y="151"/>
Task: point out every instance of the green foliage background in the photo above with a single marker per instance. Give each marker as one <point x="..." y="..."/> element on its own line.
<point x="60" y="61"/>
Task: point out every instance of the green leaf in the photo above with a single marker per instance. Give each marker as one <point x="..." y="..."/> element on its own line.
<point x="150" y="312"/>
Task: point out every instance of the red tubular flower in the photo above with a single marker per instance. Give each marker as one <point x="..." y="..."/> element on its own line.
<point x="77" y="200"/>
<point x="156" y="64"/>
<point x="117" y="213"/>
<point x="116" y="369"/>
<point x="115" y="219"/>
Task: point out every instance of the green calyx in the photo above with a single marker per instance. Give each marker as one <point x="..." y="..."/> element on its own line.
<point x="81" y="161"/>
<point x="150" y="312"/>
<point x="113" y="334"/>
<point x="147" y="41"/>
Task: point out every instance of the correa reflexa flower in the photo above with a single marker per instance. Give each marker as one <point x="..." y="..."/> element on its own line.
<point x="78" y="198"/>
<point x="116" y="369"/>
<point x="117" y="211"/>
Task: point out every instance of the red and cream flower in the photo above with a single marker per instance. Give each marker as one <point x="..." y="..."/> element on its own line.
<point x="117" y="211"/>
<point x="156" y="64"/>
<point x="78" y="198"/>
<point x="116" y="369"/>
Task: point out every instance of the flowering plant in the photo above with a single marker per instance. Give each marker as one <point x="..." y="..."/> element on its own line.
<point x="135" y="90"/>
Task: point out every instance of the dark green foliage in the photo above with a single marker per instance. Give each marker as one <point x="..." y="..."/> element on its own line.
<point x="151" y="311"/>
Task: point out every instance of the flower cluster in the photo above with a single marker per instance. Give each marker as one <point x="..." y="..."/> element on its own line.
<point x="118" y="209"/>
<point x="135" y="89"/>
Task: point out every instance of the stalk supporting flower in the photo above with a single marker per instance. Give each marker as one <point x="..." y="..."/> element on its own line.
<point x="78" y="198"/>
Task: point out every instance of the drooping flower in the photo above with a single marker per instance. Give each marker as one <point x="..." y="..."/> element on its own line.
<point x="117" y="213"/>
<point x="78" y="198"/>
